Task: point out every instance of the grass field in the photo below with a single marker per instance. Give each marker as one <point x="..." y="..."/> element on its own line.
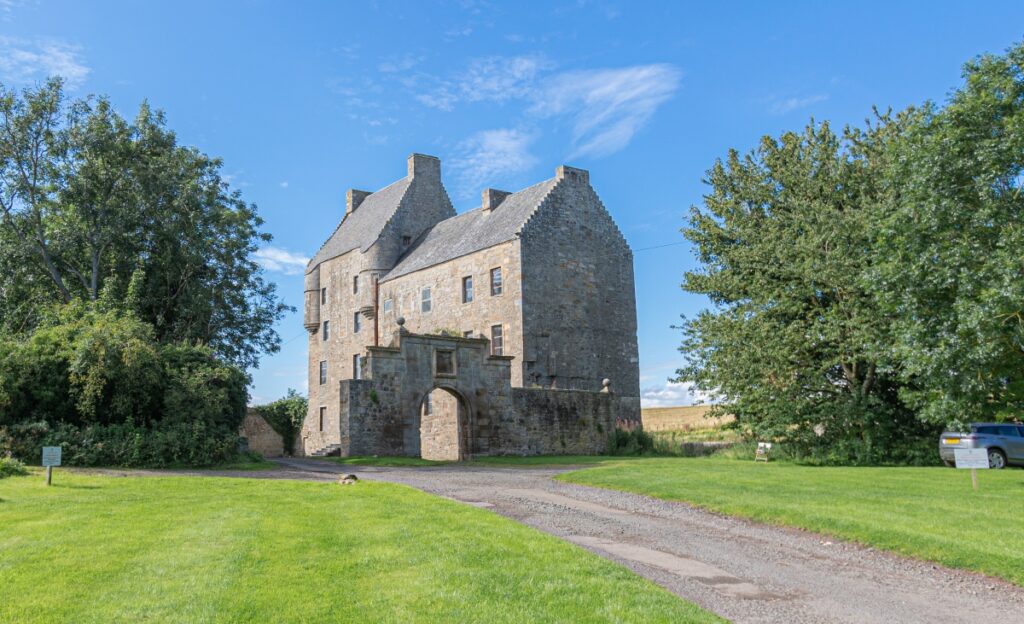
<point x="680" y="418"/>
<point x="96" y="549"/>
<point x="930" y="513"/>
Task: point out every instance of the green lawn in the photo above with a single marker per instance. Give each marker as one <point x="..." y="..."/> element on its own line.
<point x="177" y="549"/>
<point x="534" y="461"/>
<point x="930" y="513"/>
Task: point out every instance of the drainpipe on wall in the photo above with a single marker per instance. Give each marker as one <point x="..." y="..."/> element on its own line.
<point x="376" y="311"/>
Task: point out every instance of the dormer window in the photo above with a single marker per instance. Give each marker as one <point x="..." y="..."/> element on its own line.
<point x="406" y="241"/>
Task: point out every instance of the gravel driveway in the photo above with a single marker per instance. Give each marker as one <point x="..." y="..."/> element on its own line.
<point x="744" y="571"/>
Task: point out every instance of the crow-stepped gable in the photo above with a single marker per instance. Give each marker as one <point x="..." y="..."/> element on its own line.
<point x="510" y="328"/>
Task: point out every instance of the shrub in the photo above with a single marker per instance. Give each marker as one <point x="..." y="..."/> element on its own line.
<point x="10" y="467"/>
<point x="630" y="442"/>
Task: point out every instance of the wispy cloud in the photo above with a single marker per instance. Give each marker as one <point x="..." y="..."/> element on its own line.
<point x="24" y="61"/>
<point x="491" y="79"/>
<point x="781" y="106"/>
<point x="604" y="107"/>
<point x="671" y="394"/>
<point x="607" y="106"/>
<point x="491" y="155"/>
<point x="399" y="63"/>
<point x="280" y="260"/>
<point x="284" y="184"/>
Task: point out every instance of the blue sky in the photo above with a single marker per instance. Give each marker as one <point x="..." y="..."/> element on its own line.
<point x="303" y="100"/>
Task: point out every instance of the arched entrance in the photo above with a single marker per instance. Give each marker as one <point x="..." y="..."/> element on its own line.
<point x="444" y="425"/>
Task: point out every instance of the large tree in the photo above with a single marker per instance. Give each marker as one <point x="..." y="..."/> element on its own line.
<point x="94" y="206"/>
<point x="950" y="257"/>
<point x="796" y="344"/>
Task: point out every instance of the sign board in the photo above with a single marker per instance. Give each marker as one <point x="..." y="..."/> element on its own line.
<point x="974" y="459"/>
<point x="763" y="448"/>
<point x="51" y="456"/>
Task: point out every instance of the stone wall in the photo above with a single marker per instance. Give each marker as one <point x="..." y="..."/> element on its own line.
<point x="260" y="436"/>
<point x="578" y="295"/>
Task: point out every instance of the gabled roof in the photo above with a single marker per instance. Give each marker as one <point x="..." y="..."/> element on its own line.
<point x="472" y="231"/>
<point x="363" y="226"/>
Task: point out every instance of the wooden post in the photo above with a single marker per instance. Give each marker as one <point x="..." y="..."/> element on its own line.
<point x="49" y="475"/>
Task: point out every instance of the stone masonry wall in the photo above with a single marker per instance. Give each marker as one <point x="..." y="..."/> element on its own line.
<point x="260" y="436"/>
<point x="578" y="295"/>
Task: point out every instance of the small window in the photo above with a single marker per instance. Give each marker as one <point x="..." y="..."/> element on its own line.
<point x="357" y="366"/>
<point x="323" y="373"/>
<point x="444" y="363"/>
<point x="425" y="303"/>
<point x="387" y="306"/>
<point x="467" y="334"/>
<point x="323" y="296"/>
<point x="496" y="285"/>
<point x="355" y="284"/>
<point x="323" y="417"/>
<point x="406" y="241"/>
<point x="467" y="289"/>
<point x="327" y="330"/>
<point x="356" y="323"/>
<point x="497" y="340"/>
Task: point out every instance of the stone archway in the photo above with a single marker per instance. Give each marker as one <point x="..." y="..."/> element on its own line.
<point x="443" y="418"/>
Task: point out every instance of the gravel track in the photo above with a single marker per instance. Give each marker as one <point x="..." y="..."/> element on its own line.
<point x="744" y="571"/>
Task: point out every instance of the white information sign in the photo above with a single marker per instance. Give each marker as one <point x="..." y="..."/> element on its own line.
<point x="51" y="456"/>
<point x="974" y="459"/>
<point x="763" y="448"/>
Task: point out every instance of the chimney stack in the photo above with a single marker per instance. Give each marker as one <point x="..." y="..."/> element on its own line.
<point x="492" y="198"/>
<point x="572" y="174"/>
<point x="353" y="198"/>
<point x="423" y="166"/>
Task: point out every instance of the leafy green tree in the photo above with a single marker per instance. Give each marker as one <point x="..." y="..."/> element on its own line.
<point x="949" y="257"/>
<point x="796" y="345"/>
<point x="96" y="207"/>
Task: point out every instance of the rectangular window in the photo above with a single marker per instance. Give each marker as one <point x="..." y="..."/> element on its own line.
<point x="467" y="334"/>
<point x="357" y="366"/>
<point x="356" y="323"/>
<point x="323" y="373"/>
<point x="387" y="306"/>
<point x="425" y="303"/>
<point x="355" y="284"/>
<point x="467" y="289"/>
<point x="323" y="417"/>
<point x="444" y="363"/>
<point x="323" y="296"/>
<point x="496" y="285"/>
<point x="406" y="241"/>
<point x="327" y="330"/>
<point x="497" y="340"/>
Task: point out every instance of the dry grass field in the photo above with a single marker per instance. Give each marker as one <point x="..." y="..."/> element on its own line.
<point x="679" y="418"/>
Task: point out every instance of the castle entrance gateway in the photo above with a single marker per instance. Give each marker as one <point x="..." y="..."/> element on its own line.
<point x="448" y="398"/>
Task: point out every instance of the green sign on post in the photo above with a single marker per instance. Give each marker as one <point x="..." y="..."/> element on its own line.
<point x="51" y="458"/>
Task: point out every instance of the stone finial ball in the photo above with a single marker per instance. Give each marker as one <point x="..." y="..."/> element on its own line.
<point x="401" y="321"/>
<point x="606" y="382"/>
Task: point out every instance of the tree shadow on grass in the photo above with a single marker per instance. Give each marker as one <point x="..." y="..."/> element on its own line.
<point x="76" y="486"/>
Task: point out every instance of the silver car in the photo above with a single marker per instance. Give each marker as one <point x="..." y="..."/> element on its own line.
<point x="1004" y="442"/>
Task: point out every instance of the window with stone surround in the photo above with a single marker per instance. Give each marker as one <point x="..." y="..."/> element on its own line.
<point x="496" y="284"/>
<point x="356" y="323"/>
<point x="323" y="296"/>
<point x="387" y="306"/>
<point x="327" y="330"/>
<point x="355" y="284"/>
<point x="357" y="366"/>
<point x="323" y="372"/>
<point x="444" y="363"/>
<point x="323" y="417"/>
<point x="425" y="303"/>
<point x="497" y="340"/>
<point x="467" y="289"/>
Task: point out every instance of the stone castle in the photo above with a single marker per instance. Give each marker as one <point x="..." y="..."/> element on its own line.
<point x="510" y="328"/>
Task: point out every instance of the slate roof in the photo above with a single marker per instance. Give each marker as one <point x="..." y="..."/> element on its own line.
<point x="361" y="228"/>
<point x="472" y="231"/>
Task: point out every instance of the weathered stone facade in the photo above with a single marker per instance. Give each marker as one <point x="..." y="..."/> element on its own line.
<point x="543" y="272"/>
<point x="260" y="437"/>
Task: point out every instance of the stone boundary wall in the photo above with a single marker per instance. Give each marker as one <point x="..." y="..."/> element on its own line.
<point x="261" y="437"/>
